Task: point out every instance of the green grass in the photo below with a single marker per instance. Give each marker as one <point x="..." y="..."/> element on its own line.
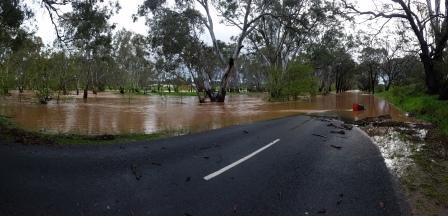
<point x="426" y="107"/>
<point x="70" y="139"/>
<point x="433" y="182"/>
<point x="10" y="132"/>
<point x="430" y="176"/>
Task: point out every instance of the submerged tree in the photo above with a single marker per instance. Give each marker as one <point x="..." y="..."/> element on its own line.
<point x="87" y="28"/>
<point x="133" y="69"/>
<point x="243" y="15"/>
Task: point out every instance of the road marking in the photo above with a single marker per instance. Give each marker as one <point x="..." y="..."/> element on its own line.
<point x="230" y="166"/>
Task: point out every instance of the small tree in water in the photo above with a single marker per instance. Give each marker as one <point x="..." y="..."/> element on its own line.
<point x="297" y="80"/>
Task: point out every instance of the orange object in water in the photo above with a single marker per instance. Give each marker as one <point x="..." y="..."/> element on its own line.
<point x="357" y="107"/>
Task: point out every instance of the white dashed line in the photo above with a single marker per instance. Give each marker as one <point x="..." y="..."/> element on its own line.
<point x="230" y="166"/>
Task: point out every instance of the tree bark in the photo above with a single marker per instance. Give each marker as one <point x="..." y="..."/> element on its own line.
<point x="221" y="96"/>
<point x="431" y="79"/>
<point x="435" y="82"/>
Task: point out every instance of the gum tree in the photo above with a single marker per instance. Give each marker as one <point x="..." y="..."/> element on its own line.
<point x="86" y="28"/>
<point x="428" y="20"/>
<point x="243" y="15"/>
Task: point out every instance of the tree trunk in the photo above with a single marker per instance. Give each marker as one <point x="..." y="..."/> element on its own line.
<point x="387" y="87"/>
<point x="432" y="82"/>
<point x="371" y="80"/>
<point x="85" y="93"/>
<point x="443" y="94"/>
<point x="221" y="96"/>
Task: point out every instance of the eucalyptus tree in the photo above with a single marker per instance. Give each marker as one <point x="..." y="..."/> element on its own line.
<point x="428" y="20"/>
<point x="243" y="15"/>
<point x="174" y="39"/>
<point x="64" y="71"/>
<point x="178" y="51"/>
<point x="393" y="67"/>
<point x="291" y="25"/>
<point x="372" y="59"/>
<point x="254" y="72"/>
<point x="86" y="27"/>
<point x="21" y="63"/>
<point x="296" y="29"/>
<point x="12" y="15"/>
<point x="410" y="71"/>
<point x="329" y="53"/>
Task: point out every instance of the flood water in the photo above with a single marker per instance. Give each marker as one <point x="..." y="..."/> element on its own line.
<point x="111" y="113"/>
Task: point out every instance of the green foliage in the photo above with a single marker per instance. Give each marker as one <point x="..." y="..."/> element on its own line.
<point x="275" y="82"/>
<point x="413" y="99"/>
<point x="12" y="15"/>
<point x="300" y="80"/>
<point x="41" y="79"/>
<point x="297" y="80"/>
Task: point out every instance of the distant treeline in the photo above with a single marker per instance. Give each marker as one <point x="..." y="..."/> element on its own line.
<point x="287" y="48"/>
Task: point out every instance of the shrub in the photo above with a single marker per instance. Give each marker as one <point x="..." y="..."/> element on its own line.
<point x="297" y="80"/>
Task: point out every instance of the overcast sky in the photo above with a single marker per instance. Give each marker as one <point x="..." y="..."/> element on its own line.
<point x="124" y="20"/>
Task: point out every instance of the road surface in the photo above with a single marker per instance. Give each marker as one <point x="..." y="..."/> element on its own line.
<point x="288" y="166"/>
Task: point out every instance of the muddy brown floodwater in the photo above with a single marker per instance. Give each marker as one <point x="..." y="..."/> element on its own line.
<point x="110" y="113"/>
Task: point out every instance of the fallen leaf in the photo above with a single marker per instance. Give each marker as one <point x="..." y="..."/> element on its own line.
<point x="322" y="211"/>
<point x="336" y="147"/>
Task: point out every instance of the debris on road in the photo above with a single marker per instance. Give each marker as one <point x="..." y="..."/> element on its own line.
<point x="136" y="172"/>
<point x="318" y="135"/>
<point x="324" y="120"/>
<point x="340" y="200"/>
<point x="347" y="126"/>
<point x="335" y="126"/>
<point x="245" y="131"/>
<point x="156" y="164"/>
<point x="338" y="132"/>
<point x="336" y="147"/>
<point x="322" y="211"/>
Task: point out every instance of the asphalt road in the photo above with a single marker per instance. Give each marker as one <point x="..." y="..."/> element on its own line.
<point x="288" y="166"/>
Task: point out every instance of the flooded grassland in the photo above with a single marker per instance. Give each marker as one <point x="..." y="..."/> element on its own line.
<point x="109" y="113"/>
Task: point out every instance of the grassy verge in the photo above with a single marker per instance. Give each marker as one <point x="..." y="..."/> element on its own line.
<point x="11" y="133"/>
<point x="426" y="107"/>
<point x="426" y="182"/>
